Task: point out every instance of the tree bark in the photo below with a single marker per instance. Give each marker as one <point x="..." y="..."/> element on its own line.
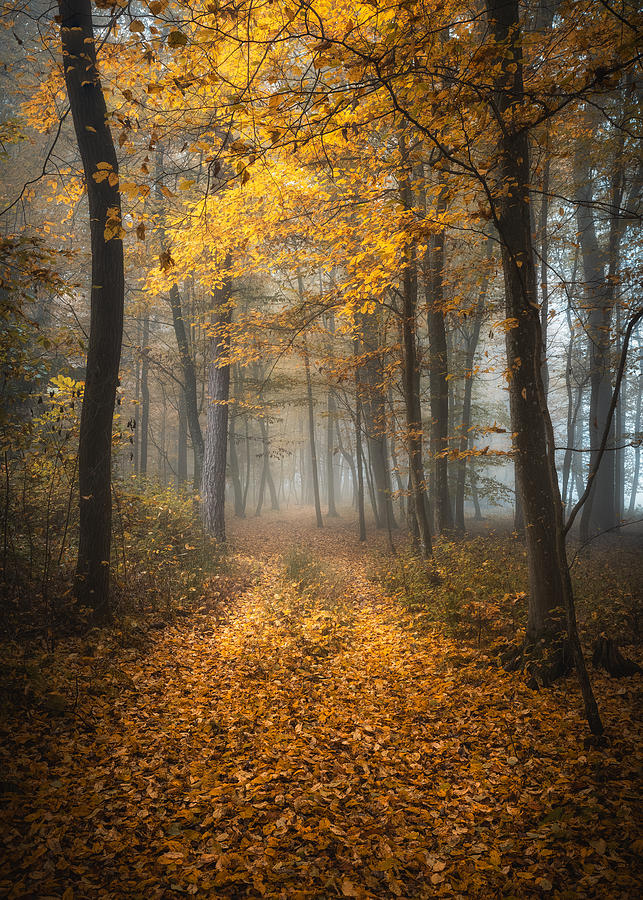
<point x="216" y="441"/>
<point x="549" y="579"/>
<point x="438" y="372"/>
<point x="358" y="447"/>
<point x="145" y="396"/>
<point x="94" y="138"/>
<point x="411" y="390"/>
<point x="637" y="450"/>
<point x="469" y="356"/>
<point x="234" y="466"/>
<point x="599" y="513"/>
<point x="374" y="419"/>
<point x="182" y="442"/>
<point x="189" y="382"/>
<point x="330" y="453"/>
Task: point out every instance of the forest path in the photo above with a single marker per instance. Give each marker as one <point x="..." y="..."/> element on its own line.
<point x="309" y="744"/>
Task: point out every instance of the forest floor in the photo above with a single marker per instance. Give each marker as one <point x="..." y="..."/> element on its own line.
<point x="310" y="741"/>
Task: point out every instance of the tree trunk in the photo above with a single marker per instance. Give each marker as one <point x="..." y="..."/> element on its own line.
<point x="330" y="452"/>
<point x="358" y="447"/>
<point x="234" y="466"/>
<point x="470" y="352"/>
<point x="248" y="462"/>
<point x="411" y="390"/>
<point x="189" y="382"/>
<point x="438" y="372"/>
<point x="473" y="480"/>
<point x="182" y="443"/>
<point x="637" y="450"/>
<point x="216" y="441"/>
<point x="374" y="418"/>
<point x="549" y="580"/>
<point x="96" y="147"/>
<point x="544" y="263"/>
<point x="311" y="437"/>
<point x="145" y="396"/>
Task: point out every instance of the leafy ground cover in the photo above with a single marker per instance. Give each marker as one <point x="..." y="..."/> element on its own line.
<point x="306" y="733"/>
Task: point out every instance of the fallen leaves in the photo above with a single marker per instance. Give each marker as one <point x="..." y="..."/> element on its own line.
<point x="313" y="747"/>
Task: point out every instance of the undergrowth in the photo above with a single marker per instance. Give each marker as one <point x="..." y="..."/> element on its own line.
<point x="323" y="583"/>
<point x="481" y="594"/>
<point x="161" y="560"/>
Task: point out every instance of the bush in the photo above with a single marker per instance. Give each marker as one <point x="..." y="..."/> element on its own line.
<point x="475" y="589"/>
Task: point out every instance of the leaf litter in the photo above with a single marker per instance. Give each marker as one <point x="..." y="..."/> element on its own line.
<point x="310" y="743"/>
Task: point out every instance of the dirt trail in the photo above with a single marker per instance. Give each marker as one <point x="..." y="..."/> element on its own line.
<point x="312" y="746"/>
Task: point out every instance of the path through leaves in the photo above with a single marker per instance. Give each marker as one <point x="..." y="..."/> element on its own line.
<point x="311" y="745"/>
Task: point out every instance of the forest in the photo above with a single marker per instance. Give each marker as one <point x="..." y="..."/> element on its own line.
<point x="321" y="489"/>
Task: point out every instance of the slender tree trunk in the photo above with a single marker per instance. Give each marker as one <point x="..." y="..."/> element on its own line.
<point x="162" y="444"/>
<point x="470" y="352"/>
<point x="137" y="402"/>
<point x="544" y="263"/>
<point x="374" y="418"/>
<point x="358" y="447"/>
<point x="182" y="443"/>
<point x="262" y="484"/>
<point x="265" y="443"/>
<point x="411" y="379"/>
<point x="345" y="454"/>
<point x="189" y="382"/>
<point x="330" y="452"/>
<point x="637" y="449"/>
<point x="600" y="271"/>
<point x="311" y="437"/>
<point x="96" y="147"/>
<point x="216" y="442"/>
<point x="145" y="396"/>
<point x="473" y="480"/>
<point x="248" y="462"/>
<point x="411" y="390"/>
<point x="234" y="466"/>
<point x="438" y="372"/>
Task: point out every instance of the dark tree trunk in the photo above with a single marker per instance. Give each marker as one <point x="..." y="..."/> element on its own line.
<point x="145" y="396"/>
<point x="411" y="390"/>
<point x="544" y="264"/>
<point x="189" y="382"/>
<point x="374" y="417"/>
<point x="411" y="380"/>
<point x="469" y="356"/>
<point x="93" y="135"/>
<point x="549" y="580"/>
<point x="216" y="442"/>
<point x="438" y="372"/>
